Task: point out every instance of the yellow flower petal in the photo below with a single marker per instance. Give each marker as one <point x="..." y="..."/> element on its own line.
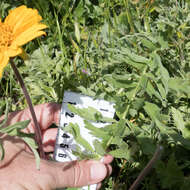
<point x="14" y="15"/>
<point x="20" y="26"/>
<point x="14" y="51"/>
<point x="22" y="18"/>
<point x="18" y="16"/>
<point x="4" y="59"/>
<point x="30" y="34"/>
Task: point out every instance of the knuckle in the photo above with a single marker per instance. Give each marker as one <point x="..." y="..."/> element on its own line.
<point x="78" y="173"/>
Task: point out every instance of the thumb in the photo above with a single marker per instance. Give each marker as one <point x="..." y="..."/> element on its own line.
<point x="78" y="173"/>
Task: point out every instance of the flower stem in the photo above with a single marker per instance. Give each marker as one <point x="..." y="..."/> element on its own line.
<point x="147" y="169"/>
<point x="38" y="135"/>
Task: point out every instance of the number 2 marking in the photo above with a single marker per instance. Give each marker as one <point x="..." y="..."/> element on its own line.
<point x="69" y="114"/>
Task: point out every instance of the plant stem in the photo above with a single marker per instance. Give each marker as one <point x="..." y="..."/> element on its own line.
<point x="38" y="135"/>
<point x="147" y="169"/>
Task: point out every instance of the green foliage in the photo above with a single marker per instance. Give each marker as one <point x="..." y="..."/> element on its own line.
<point x="75" y="131"/>
<point x="133" y="53"/>
<point x="90" y="114"/>
<point x="173" y="177"/>
<point x="15" y="130"/>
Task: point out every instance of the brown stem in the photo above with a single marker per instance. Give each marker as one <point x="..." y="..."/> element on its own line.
<point x="147" y="169"/>
<point x="38" y="135"/>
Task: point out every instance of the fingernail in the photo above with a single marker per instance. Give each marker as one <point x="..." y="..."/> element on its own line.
<point x="102" y="159"/>
<point x="97" y="171"/>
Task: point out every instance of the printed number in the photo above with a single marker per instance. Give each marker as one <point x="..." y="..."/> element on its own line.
<point x="65" y="136"/>
<point x="64" y="145"/>
<point x="62" y="155"/>
<point x="74" y="103"/>
<point x="69" y="114"/>
<point x="103" y="110"/>
<point x="65" y="124"/>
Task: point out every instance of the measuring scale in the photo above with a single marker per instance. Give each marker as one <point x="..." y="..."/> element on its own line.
<point x="65" y="142"/>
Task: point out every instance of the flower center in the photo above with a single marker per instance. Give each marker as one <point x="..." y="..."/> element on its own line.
<point x="6" y="36"/>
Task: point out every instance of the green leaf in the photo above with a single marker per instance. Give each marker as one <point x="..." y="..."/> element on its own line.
<point x="120" y="129"/>
<point x="99" y="148"/>
<point x="146" y="143"/>
<point x="170" y="174"/>
<point x="138" y="103"/>
<point x="119" y="142"/>
<point x="143" y="82"/>
<point x="120" y="153"/>
<point x="186" y="184"/>
<point x="134" y="57"/>
<point x="120" y="83"/>
<point x="79" y="10"/>
<point x="2" y="151"/>
<point x="77" y="32"/>
<point x="75" y="131"/>
<point x="161" y="90"/>
<point x="162" y="42"/>
<point x="149" y="44"/>
<point x="117" y="129"/>
<point x="133" y="129"/>
<point x="163" y="71"/>
<point x="123" y="77"/>
<point x="6" y="114"/>
<point x="86" y="91"/>
<point x="32" y="144"/>
<point x="186" y="131"/>
<point x="14" y="129"/>
<point x="152" y="110"/>
<point x="178" y="120"/>
<point x="90" y="114"/>
<point x="95" y="131"/>
<point x="128" y="61"/>
<point x="151" y="91"/>
<point x="179" y="85"/>
<point x="178" y="139"/>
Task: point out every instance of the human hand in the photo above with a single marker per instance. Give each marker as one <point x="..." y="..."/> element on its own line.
<point x="18" y="170"/>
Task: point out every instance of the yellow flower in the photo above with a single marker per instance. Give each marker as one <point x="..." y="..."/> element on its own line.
<point x="19" y="27"/>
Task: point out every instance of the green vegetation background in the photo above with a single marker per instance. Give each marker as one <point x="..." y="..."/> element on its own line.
<point x="135" y="53"/>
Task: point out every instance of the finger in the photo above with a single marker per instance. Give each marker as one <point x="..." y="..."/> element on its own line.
<point x="46" y="115"/>
<point x="109" y="170"/>
<point x="107" y="159"/>
<point x="98" y="186"/>
<point x="79" y="173"/>
<point x="48" y="139"/>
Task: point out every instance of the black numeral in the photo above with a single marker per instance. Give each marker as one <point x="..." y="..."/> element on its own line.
<point x="62" y="145"/>
<point x="65" y="124"/>
<point x="74" y="103"/>
<point x="62" y="155"/>
<point x="69" y="114"/>
<point x="65" y="136"/>
<point x="103" y="110"/>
